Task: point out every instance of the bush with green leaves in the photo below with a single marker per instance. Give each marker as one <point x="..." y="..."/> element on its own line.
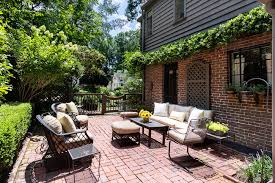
<point x="217" y="127"/>
<point x="5" y="66"/>
<point x="15" y="119"/>
<point x="255" y="21"/>
<point x="42" y="59"/>
<point x="259" y="170"/>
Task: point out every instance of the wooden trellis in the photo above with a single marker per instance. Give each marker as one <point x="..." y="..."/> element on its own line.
<point x="198" y="86"/>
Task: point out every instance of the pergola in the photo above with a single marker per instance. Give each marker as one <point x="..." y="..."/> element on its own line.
<point x="270" y="8"/>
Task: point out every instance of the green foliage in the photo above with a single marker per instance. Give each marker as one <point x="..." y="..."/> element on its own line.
<point x="132" y="9"/>
<point x="92" y="60"/>
<point x="254" y="22"/>
<point x="133" y="84"/>
<point x="217" y="126"/>
<point x="259" y="170"/>
<point x="15" y="120"/>
<point x="103" y="90"/>
<point x="258" y="88"/>
<point x="5" y="67"/>
<point x="43" y="59"/>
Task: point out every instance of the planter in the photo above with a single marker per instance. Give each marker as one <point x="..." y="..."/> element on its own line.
<point x="245" y="92"/>
<point x="145" y="120"/>
<point x="217" y="133"/>
<point x="263" y="93"/>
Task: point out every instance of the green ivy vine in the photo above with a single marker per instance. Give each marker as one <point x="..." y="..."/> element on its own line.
<point x="255" y="21"/>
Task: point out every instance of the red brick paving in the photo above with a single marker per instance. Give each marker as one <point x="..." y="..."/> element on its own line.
<point x="131" y="164"/>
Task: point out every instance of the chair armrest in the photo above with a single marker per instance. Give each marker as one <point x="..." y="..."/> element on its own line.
<point x="76" y="132"/>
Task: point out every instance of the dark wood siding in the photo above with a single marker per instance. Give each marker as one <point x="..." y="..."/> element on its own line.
<point x="200" y="15"/>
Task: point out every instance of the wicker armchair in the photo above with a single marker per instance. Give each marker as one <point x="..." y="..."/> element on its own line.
<point x="60" y="143"/>
<point x="195" y="134"/>
<point x="80" y="120"/>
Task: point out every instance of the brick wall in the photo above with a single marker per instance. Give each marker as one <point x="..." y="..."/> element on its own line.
<point x="250" y="123"/>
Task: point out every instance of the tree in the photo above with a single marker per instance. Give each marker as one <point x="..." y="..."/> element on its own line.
<point x="132" y="10"/>
<point x="125" y="42"/>
<point x="42" y="59"/>
<point x="5" y="66"/>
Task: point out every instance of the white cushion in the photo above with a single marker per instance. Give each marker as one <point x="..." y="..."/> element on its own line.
<point x="179" y="108"/>
<point x="179" y="116"/>
<point x="161" y="109"/>
<point x="53" y="123"/>
<point x="66" y="122"/>
<point x="125" y="127"/>
<point x="61" y="107"/>
<point x="165" y="121"/>
<point x="196" y="114"/>
<point x="181" y="125"/>
<point x="71" y="107"/>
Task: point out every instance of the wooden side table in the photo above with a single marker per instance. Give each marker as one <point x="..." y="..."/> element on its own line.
<point x="84" y="151"/>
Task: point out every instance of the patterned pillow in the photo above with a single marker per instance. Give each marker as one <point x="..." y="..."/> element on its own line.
<point x="53" y="123"/>
<point x="66" y="122"/>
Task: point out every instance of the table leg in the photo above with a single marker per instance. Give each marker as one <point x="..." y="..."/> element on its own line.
<point x="142" y="130"/>
<point x="149" y="140"/>
<point x="163" y="137"/>
<point x="73" y="169"/>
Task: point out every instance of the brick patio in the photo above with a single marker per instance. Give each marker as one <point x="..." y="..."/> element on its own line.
<point x="131" y="164"/>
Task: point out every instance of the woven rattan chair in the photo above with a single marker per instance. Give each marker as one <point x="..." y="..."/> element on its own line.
<point x="195" y="134"/>
<point x="76" y="117"/>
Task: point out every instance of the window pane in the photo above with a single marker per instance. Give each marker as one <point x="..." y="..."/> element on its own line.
<point x="180" y="8"/>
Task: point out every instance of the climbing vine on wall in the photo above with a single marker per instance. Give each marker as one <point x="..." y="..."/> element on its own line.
<point x="253" y="22"/>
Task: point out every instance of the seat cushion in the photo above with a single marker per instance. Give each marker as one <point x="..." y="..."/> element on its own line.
<point x="128" y="114"/>
<point x="83" y="119"/>
<point x="196" y="114"/>
<point x="61" y="107"/>
<point x="66" y="122"/>
<point x="161" y="109"/>
<point x="181" y="125"/>
<point x="71" y="107"/>
<point x="179" y="108"/>
<point x="53" y="123"/>
<point x="125" y="127"/>
<point x="164" y="120"/>
<point x="185" y="138"/>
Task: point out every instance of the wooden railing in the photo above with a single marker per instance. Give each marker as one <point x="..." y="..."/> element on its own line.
<point x="96" y="103"/>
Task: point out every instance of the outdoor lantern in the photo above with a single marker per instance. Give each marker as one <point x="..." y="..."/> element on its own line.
<point x="270" y="8"/>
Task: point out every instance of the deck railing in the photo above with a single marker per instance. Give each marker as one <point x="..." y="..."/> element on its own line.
<point x="96" y="103"/>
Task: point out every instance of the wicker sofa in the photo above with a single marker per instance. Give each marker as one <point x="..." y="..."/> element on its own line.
<point x="209" y="114"/>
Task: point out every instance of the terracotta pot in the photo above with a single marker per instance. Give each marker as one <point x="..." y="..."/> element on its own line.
<point x="261" y="93"/>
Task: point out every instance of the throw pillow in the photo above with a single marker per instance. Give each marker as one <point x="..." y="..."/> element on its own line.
<point x="53" y="123"/>
<point x="196" y="114"/>
<point x="66" y="122"/>
<point x="61" y="107"/>
<point x="161" y="109"/>
<point x="179" y="116"/>
<point x="71" y="107"/>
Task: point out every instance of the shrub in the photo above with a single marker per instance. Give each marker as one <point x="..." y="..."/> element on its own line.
<point x="15" y="120"/>
<point x="216" y="126"/>
<point x="259" y="170"/>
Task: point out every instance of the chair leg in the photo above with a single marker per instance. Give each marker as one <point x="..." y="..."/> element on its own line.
<point x="169" y="149"/>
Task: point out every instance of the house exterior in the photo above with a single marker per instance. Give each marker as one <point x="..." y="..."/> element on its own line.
<point x="200" y="79"/>
<point x="118" y="80"/>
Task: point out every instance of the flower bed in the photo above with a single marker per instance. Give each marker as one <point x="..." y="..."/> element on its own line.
<point x="15" y="119"/>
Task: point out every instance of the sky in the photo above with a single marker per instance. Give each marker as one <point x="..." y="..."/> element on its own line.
<point x="121" y="14"/>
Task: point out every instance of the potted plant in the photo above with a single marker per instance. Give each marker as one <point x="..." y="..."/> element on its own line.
<point x="217" y="128"/>
<point x="145" y="115"/>
<point x="258" y="89"/>
<point x="230" y="89"/>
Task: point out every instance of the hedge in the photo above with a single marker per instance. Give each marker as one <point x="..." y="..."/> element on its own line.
<point x="253" y="22"/>
<point x="15" y="119"/>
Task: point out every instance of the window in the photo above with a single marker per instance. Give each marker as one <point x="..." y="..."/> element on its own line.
<point x="251" y="63"/>
<point x="149" y="24"/>
<point x="180" y="7"/>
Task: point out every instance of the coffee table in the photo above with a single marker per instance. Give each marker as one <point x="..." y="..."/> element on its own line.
<point x="151" y="125"/>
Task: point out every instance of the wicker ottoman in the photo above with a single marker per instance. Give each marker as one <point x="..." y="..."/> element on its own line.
<point x="128" y="114"/>
<point x="125" y="130"/>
